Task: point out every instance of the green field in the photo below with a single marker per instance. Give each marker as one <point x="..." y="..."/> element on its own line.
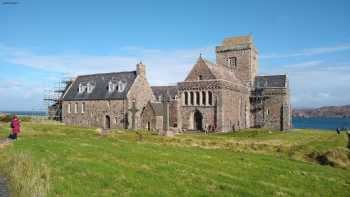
<point x="57" y="160"/>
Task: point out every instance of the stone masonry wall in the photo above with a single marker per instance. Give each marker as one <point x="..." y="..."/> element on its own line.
<point x="95" y="113"/>
<point x="141" y="92"/>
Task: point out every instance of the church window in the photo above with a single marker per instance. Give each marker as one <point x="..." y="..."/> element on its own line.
<point x="198" y="99"/>
<point x="83" y="108"/>
<point x="232" y="62"/>
<point x="186" y="98"/>
<point x="76" y="108"/>
<point x="69" y="108"/>
<point x="210" y="98"/>
<point x="191" y="98"/>
<point x="200" y="77"/>
<point x="204" y="98"/>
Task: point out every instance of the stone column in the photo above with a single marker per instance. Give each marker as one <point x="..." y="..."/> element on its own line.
<point x="200" y="98"/>
<point x="182" y="98"/>
<point x="194" y="98"/>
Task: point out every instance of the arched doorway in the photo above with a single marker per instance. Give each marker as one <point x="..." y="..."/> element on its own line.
<point x="108" y="122"/>
<point x="198" y="120"/>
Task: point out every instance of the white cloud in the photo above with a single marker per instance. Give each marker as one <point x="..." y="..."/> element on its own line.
<point x="308" y="52"/>
<point x="163" y="66"/>
<point x="313" y="83"/>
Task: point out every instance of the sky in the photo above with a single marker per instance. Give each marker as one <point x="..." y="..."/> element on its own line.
<point x="42" y="42"/>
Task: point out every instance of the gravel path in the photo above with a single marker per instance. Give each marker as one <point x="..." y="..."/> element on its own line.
<point x="3" y="188"/>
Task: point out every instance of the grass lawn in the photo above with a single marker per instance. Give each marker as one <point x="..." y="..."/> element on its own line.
<point x="70" y="161"/>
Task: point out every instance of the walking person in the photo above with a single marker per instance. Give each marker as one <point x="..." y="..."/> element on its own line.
<point x="338" y="130"/>
<point x="16" y="128"/>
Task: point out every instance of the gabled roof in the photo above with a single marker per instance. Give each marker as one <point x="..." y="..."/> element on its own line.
<point x="170" y="91"/>
<point x="100" y="83"/>
<point x="220" y="71"/>
<point x="271" y="81"/>
<point x="157" y="108"/>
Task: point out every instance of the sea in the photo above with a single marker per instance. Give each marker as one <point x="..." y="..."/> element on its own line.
<point x="321" y="123"/>
<point x="298" y="122"/>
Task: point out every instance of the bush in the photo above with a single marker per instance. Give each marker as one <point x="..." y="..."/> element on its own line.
<point x="8" y="118"/>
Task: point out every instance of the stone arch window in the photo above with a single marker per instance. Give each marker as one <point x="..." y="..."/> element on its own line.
<point x="191" y="98"/>
<point x="76" y="108"/>
<point x="83" y="108"/>
<point x="210" y="98"/>
<point x="69" y="108"/>
<point x="186" y="98"/>
<point x="198" y="99"/>
<point x="204" y="100"/>
<point x="200" y="77"/>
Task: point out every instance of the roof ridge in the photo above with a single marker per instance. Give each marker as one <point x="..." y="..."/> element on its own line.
<point x="97" y="74"/>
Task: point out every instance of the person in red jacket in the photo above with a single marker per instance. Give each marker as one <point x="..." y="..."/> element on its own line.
<point x="16" y="127"/>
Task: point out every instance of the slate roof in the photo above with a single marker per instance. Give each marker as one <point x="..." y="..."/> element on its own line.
<point x="271" y="81"/>
<point x="100" y="91"/>
<point x="158" y="91"/>
<point x="221" y="72"/>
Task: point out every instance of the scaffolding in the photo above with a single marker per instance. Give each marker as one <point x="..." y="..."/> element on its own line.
<point x="53" y="98"/>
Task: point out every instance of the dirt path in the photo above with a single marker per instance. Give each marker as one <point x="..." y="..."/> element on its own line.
<point x="3" y="188"/>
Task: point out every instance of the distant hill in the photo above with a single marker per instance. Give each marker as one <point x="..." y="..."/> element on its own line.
<point x="327" y="111"/>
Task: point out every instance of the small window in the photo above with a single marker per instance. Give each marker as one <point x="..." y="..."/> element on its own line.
<point x="76" y="108"/>
<point x="90" y="87"/>
<point x="111" y="87"/>
<point x="186" y="98"/>
<point x="200" y="77"/>
<point x="210" y="98"/>
<point x="81" y="88"/>
<point x="69" y="108"/>
<point x="191" y="98"/>
<point x="203" y="98"/>
<point x="232" y="62"/>
<point x="198" y="99"/>
<point x="83" y="108"/>
<point x="121" y="86"/>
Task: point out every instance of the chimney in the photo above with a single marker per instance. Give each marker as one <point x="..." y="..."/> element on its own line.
<point x="141" y="69"/>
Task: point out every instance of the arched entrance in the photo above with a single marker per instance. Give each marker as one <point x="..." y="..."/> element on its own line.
<point x="198" y="120"/>
<point x="108" y="122"/>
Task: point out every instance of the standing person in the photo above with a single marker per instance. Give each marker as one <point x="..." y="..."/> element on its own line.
<point x="348" y="133"/>
<point x="338" y="130"/>
<point x="16" y="127"/>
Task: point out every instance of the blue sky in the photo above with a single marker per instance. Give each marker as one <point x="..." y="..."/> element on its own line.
<point x="41" y="41"/>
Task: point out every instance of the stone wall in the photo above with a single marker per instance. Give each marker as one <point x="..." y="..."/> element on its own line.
<point x="141" y="93"/>
<point x="233" y="108"/>
<point x="95" y="112"/>
<point x="246" y="62"/>
<point x="148" y="115"/>
<point x="274" y="111"/>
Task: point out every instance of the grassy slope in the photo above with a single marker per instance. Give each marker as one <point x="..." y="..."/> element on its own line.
<point x="254" y="163"/>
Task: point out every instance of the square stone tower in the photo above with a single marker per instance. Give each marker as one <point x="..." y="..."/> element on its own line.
<point x="240" y="55"/>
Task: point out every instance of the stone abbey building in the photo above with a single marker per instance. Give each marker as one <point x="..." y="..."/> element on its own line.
<point x="223" y="96"/>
